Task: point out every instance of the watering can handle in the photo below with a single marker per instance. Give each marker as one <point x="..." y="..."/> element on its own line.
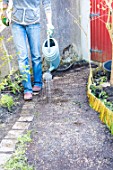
<point x="48" y="39"/>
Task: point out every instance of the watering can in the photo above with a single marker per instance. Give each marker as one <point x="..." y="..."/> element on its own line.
<point x="50" y="50"/>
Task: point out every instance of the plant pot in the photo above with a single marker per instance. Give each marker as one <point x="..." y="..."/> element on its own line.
<point x="107" y="67"/>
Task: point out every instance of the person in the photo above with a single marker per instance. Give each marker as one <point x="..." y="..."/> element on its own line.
<point x="25" y="26"/>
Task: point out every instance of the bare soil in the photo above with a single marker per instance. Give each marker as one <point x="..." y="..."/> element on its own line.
<point x="66" y="133"/>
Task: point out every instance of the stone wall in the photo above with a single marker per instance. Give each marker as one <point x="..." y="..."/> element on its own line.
<point x="66" y="30"/>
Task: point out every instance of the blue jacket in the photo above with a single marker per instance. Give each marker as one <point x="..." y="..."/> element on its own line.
<point x="27" y="12"/>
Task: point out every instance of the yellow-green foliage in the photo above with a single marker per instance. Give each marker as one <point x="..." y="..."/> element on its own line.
<point x="6" y="101"/>
<point x="19" y="161"/>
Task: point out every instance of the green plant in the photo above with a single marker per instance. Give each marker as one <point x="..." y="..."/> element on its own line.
<point x="19" y="161"/>
<point x="103" y="79"/>
<point x="96" y="90"/>
<point x="12" y="82"/>
<point x="7" y="101"/>
<point x="109" y="105"/>
<point x="25" y="138"/>
<point x="103" y="95"/>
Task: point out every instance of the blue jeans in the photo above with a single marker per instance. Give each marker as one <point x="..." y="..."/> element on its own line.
<point x="22" y="36"/>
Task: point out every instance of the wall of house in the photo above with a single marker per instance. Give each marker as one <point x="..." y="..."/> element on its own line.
<point x="85" y="31"/>
<point x="66" y="30"/>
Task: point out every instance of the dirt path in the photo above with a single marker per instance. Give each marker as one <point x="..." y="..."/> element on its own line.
<point x="67" y="134"/>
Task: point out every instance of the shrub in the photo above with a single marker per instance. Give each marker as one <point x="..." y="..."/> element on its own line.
<point x="7" y="101"/>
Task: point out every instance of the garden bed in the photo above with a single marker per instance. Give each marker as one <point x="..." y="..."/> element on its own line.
<point x="11" y="97"/>
<point x="100" y="95"/>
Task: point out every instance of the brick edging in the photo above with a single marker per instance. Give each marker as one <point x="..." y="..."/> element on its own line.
<point x="106" y="115"/>
<point x="8" y="143"/>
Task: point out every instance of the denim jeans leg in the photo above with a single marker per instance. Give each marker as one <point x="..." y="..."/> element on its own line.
<point x="33" y="33"/>
<point x="20" y="40"/>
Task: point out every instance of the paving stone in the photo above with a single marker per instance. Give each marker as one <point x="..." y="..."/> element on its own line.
<point x="21" y="125"/>
<point x="7" y="145"/>
<point x="14" y="134"/>
<point x="29" y="105"/>
<point x="26" y="119"/>
<point x="4" y="158"/>
<point x="25" y="112"/>
<point x="1" y="168"/>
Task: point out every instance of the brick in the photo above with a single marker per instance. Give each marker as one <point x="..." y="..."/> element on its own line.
<point x="7" y="145"/>
<point x="29" y="105"/>
<point x="21" y="125"/>
<point x="26" y="119"/>
<point x="1" y="168"/>
<point x="14" y="134"/>
<point x="25" y="112"/>
<point x="4" y="158"/>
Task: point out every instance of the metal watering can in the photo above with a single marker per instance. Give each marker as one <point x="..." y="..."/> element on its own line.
<point x="51" y="53"/>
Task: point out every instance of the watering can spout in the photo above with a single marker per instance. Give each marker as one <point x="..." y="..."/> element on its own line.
<point x="51" y="68"/>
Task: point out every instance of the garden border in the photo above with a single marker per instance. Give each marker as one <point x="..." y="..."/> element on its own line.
<point x="106" y="115"/>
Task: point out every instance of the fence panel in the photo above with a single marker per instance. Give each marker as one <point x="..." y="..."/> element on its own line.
<point x="101" y="48"/>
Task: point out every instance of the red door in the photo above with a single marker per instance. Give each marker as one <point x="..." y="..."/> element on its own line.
<point x="101" y="48"/>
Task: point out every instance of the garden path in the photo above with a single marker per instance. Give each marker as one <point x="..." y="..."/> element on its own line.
<point x="68" y="134"/>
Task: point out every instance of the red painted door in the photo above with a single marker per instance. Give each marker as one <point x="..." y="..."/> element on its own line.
<point x="101" y="48"/>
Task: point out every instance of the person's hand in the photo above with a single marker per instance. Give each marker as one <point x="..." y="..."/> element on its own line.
<point x="4" y="18"/>
<point x="50" y="29"/>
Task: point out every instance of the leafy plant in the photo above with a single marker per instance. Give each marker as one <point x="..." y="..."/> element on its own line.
<point x="25" y="138"/>
<point x="103" y="95"/>
<point x="103" y="79"/>
<point x="19" y="160"/>
<point x="7" y="101"/>
<point x="96" y="90"/>
<point x="109" y="105"/>
<point x="12" y="82"/>
<point x="93" y="88"/>
<point x="100" y="80"/>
